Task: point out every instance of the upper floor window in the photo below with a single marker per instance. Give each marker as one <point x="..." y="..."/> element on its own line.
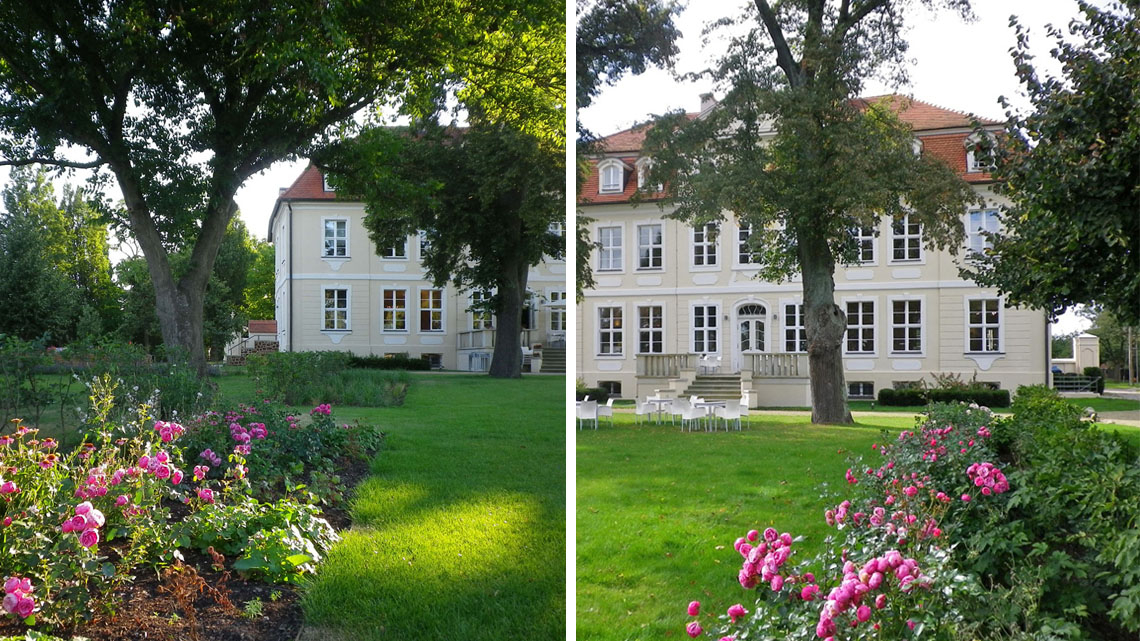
<point x="398" y="251"/>
<point x="425" y="242"/>
<point x="978" y="224"/>
<point x="611" y="176"/>
<point x="610" y="252"/>
<point x="336" y="238"/>
<point x="704" y="245"/>
<point x="906" y="240"/>
<point x="325" y="186"/>
<point x="978" y="160"/>
<point x="643" y="168"/>
<point x="744" y="253"/>
<point x="865" y="240"/>
<point x="650" y="244"/>
<point x="558" y="228"/>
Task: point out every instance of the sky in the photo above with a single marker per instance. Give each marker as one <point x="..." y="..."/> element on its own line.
<point x="954" y="64"/>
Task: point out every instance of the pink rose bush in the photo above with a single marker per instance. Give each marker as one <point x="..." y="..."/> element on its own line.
<point x="18" y="598"/>
<point x="892" y="558"/>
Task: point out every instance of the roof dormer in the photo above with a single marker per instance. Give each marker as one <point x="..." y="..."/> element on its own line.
<point x="979" y="153"/>
<point x="611" y="176"/>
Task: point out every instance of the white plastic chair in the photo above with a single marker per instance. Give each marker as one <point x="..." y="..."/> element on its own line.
<point x="730" y="412"/>
<point x="677" y="410"/>
<point x="744" y="406"/>
<point x="607" y="410"/>
<point x="691" y="414"/>
<point x="587" y="411"/>
<point x="642" y="408"/>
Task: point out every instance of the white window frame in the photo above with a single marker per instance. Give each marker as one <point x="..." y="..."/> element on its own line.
<point x="1000" y="326"/>
<point x="616" y="252"/>
<point x="423" y="243"/>
<point x="906" y="237"/>
<point x="558" y="228"/>
<point x="659" y="246"/>
<point x="618" y="332"/>
<point x="442" y="310"/>
<point x="325" y="186"/>
<point x="384" y="308"/>
<point x="861" y="327"/>
<point x="705" y="329"/>
<point x="643" y="166"/>
<point x="347" y="308"/>
<point x="554" y="296"/>
<point x="976" y="243"/>
<point x="656" y="334"/>
<point x="478" y="320"/>
<point x="390" y="254"/>
<point x="608" y="183"/>
<point x="743" y="234"/>
<point x="709" y="249"/>
<point x="799" y="327"/>
<point x="863" y="240"/>
<point x="921" y="325"/>
<point x="870" y="396"/>
<point x="325" y="220"/>
<point x="766" y="318"/>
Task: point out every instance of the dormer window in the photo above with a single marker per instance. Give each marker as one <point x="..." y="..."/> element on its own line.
<point x="325" y="183"/>
<point x="643" y="167"/>
<point x="978" y="160"/>
<point x="916" y="147"/>
<point x="611" y="176"/>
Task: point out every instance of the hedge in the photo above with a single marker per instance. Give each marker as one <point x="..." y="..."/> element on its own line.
<point x="388" y="362"/>
<point x="915" y="396"/>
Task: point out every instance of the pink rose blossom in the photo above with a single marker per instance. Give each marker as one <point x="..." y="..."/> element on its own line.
<point x="162" y="472"/>
<point x="736" y="611"/>
<point x="694" y="608"/>
<point x="89" y="538"/>
<point x="176" y="476"/>
<point x="10" y="602"/>
<point x="694" y="629"/>
<point x="25" y="607"/>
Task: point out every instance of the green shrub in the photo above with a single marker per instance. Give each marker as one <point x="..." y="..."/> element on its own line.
<point x="1063" y="543"/>
<point x="297" y="378"/>
<point x="1095" y="372"/>
<point x="599" y="394"/>
<point x="374" y="361"/>
<point x="905" y="397"/>
<point x="979" y="395"/>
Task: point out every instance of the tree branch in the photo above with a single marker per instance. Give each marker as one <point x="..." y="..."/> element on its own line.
<point x="55" y="162"/>
<point x="850" y="20"/>
<point x="783" y="51"/>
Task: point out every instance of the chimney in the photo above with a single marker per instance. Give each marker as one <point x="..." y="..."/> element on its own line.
<point x="707" y="102"/>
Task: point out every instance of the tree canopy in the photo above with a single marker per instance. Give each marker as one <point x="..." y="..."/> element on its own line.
<point x="179" y="104"/>
<point x="484" y="198"/>
<point x="1071" y="169"/>
<point x="791" y="151"/>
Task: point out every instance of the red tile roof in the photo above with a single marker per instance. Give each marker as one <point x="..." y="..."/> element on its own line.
<point x="921" y="116"/>
<point x="262" y="327"/>
<point x="308" y="186"/>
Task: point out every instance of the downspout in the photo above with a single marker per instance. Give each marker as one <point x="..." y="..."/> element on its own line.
<point x="292" y="303"/>
<point x="1049" y="351"/>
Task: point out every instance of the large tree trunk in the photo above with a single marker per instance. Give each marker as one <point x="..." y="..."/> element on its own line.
<point x="824" y="324"/>
<point x="507" y="359"/>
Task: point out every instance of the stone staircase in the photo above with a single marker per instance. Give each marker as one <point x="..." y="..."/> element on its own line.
<point x="553" y="360"/>
<point x="715" y="387"/>
<point x="259" y="347"/>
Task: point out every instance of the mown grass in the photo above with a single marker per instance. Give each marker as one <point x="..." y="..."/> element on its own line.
<point x="460" y="531"/>
<point x="658" y="511"/>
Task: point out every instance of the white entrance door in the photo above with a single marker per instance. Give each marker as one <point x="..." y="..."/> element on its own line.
<point x="751" y="332"/>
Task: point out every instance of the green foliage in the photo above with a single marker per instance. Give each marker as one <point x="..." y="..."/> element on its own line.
<point x="171" y="387"/>
<point x="1062" y="346"/>
<point x="278" y="541"/>
<point x="260" y="281"/>
<point x="1098" y="374"/>
<point x="1113" y="336"/>
<point x="1070" y="169"/>
<point x="599" y="394"/>
<point x="20" y="394"/>
<point x="297" y="378"/>
<point x="374" y="361"/>
<point x="908" y="396"/>
<point x="1066" y="533"/>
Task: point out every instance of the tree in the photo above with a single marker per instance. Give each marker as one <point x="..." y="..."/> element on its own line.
<point x="180" y="104"/>
<point x="260" y="282"/>
<point x="791" y="151"/>
<point x="38" y="300"/>
<point x="1071" y="169"/>
<point x="484" y="197"/>
<point x="1117" y="340"/>
<point x="58" y="251"/>
<point x="613" y="37"/>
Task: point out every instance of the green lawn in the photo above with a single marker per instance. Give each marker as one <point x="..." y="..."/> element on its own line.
<point x="460" y="532"/>
<point x="654" y="505"/>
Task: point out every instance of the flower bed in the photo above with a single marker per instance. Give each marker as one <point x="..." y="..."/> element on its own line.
<point x="190" y="511"/>
<point x="942" y="536"/>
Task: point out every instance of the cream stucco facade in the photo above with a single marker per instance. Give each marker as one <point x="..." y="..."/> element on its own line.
<point x="671" y="301"/>
<point x="333" y="292"/>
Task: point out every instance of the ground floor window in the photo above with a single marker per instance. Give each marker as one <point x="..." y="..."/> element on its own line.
<point x="795" y="335"/>
<point x="395" y="312"/>
<point x="862" y="390"/>
<point x="650" y="330"/>
<point x="613" y="388"/>
<point x="705" y="325"/>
